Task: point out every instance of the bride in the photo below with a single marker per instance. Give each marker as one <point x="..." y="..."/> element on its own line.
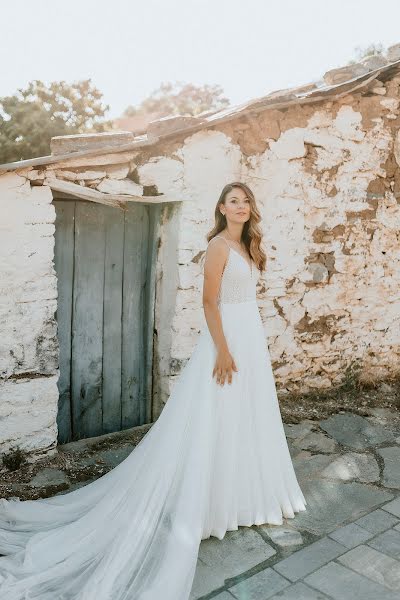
<point x="215" y="459"/>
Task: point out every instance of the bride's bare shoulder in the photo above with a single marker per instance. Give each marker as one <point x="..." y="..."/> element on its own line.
<point x="216" y="253"/>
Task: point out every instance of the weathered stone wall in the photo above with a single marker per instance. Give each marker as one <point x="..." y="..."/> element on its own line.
<point x="28" y="293"/>
<point x="326" y="178"/>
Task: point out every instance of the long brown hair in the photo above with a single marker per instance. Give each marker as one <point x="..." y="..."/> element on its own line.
<point x="251" y="234"/>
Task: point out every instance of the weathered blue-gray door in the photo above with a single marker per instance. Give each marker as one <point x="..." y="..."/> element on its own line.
<point x="104" y="259"/>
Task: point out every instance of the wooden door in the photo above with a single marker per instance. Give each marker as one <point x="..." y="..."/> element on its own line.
<point x="104" y="259"/>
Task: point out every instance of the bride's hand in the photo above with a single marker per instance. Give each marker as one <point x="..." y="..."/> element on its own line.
<point x="224" y="365"/>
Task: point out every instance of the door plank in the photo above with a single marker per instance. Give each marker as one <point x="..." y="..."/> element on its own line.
<point x="64" y="266"/>
<point x="133" y="336"/>
<point x="87" y="320"/>
<point x="112" y="350"/>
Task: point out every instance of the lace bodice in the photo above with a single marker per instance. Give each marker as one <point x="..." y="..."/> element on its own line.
<point x="238" y="281"/>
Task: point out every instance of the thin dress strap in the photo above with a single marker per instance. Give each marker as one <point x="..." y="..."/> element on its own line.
<point x="222" y="238"/>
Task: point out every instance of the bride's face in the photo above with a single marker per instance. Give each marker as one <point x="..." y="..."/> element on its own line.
<point x="237" y="206"/>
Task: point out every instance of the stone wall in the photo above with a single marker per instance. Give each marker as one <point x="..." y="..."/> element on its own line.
<point x="326" y="177"/>
<point x="28" y="296"/>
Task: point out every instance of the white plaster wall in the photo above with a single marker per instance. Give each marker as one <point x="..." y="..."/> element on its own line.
<point x="358" y="303"/>
<point x="28" y="299"/>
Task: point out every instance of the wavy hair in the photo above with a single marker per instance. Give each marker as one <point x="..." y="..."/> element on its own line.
<point x="251" y="234"/>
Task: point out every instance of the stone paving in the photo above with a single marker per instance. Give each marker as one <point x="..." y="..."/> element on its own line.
<point x="346" y="545"/>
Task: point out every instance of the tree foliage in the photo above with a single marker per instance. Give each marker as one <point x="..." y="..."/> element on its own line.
<point x="32" y="116"/>
<point x="180" y="99"/>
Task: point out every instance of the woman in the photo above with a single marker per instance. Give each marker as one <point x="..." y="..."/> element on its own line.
<point x="215" y="459"/>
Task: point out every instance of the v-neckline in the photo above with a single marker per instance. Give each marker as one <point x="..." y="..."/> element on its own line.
<point x="250" y="266"/>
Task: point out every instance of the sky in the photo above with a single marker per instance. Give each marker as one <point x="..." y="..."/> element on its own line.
<point x="129" y="47"/>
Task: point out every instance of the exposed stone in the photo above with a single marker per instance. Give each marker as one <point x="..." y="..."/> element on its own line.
<point x="342" y="583"/>
<point x="79" y="176"/>
<point x="380" y="91"/>
<point x="355" y="431"/>
<point x="316" y="441"/>
<point x="373" y="564"/>
<point x="308" y="559"/>
<point x="47" y="477"/>
<point x="170" y="124"/>
<point x="393" y="53"/>
<point x="118" y="171"/>
<point x="63" y="144"/>
<point x="282" y="535"/>
<point x="98" y="160"/>
<point x="391" y="471"/>
<point x="387" y="542"/>
<point x="331" y="504"/>
<point x="120" y="186"/>
<point x="374" y="62"/>
<point x="335" y="76"/>
<point x="362" y="467"/>
<point x="298" y="430"/>
<point x="238" y="551"/>
<point x="308" y="466"/>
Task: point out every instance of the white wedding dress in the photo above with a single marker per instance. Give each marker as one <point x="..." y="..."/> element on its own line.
<point x="215" y="459"/>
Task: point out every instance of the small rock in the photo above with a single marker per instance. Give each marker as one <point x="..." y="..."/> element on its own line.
<point x="393" y="53"/>
<point x="317" y="441"/>
<point x="118" y="171"/>
<point x="342" y="74"/>
<point x="120" y="186"/>
<point x="283" y="535"/>
<point x="391" y="471"/>
<point x="47" y="477"/>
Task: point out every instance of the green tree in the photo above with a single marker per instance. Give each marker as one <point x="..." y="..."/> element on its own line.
<point x="180" y="99"/>
<point x="32" y="116"/>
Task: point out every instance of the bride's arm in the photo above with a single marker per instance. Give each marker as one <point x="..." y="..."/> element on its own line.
<point x="216" y="257"/>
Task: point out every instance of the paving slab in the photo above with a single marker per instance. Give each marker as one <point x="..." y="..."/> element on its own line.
<point x="356" y="431"/>
<point x="306" y="560"/>
<point x="393" y="507"/>
<point x="298" y="430"/>
<point x="373" y="564"/>
<point x="377" y="521"/>
<point x="341" y="583"/>
<point x="353" y="465"/>
<point x="223" y="596"/>
<point x="299" y="591"/>
<point x="351" y="535"/>
<point x="331" y="504"/>
<point x="391" y="471"/>
<point x="262" y="585"/>
<point x="310" y="466"/>
<point x="282" y="535"/>
<point x="387" y="542"/>
<point x="316" y="441"/>
<point x="236" y="553"/>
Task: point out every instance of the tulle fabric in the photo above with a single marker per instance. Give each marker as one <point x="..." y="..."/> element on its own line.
<point x="215" y="459"/>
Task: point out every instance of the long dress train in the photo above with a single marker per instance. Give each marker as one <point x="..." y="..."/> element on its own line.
<point x="215" y="459"/>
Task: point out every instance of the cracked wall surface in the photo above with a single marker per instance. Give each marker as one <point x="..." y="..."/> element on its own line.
<point x="326" y="177"/>
<point x="28" y="301"/>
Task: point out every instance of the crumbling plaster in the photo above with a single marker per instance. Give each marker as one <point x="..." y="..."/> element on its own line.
<point x="28" y="301"/>
<point x="329" y="296"/>
<point x="326" y="177"/>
